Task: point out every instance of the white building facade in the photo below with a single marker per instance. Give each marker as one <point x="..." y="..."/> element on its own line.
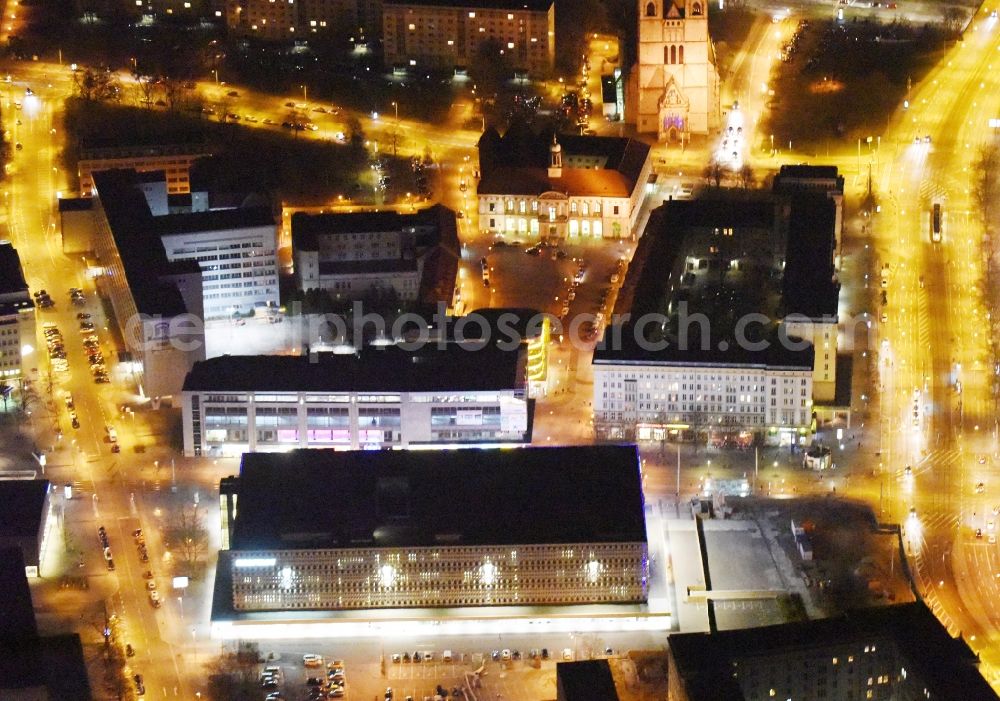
<point x="17" y="315"/>
<point x="239" y="266"/>
<point x="235" y="423"/>
<point x="575" y="198"/>
<point x="648" y="400"/>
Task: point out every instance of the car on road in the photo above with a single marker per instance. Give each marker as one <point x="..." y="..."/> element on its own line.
<point x="311" y="660"/>
<point x="505" y="655"/>
<point x="567" y="654"/>
<point x="980" y="488"/>
<point x="154" y="598"/>
<point x="397" y="658"/>
<point x="140" y="688"/>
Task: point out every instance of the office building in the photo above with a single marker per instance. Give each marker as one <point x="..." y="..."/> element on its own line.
<point x="175" y="160"/>
<point x="235" y="247"/>
<point x="379" y="397"/>
<point x="27" y="521"/>
<point x="561" y="187"/>
<point x="880" y="654"/>
<point x="360" y="255"/>
<point x="445" y="34"/>
<point x="17" y="315"/>
<point x="739" y="341"/>
<point x="435" y="529"/>
<point x="673" y="89"/>
<point x="157" y="303"/>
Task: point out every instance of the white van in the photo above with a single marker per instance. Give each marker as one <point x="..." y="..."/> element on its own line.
<point x="112" y="434"/>
<point x="446" y="656"/>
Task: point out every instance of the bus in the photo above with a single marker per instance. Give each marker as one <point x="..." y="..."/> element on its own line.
<point x="936" y="223"/>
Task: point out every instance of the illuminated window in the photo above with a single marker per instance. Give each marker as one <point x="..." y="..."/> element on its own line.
<point x="451" y="42"/>
<point x="412" y="26"/>
<point x="472" y="15"/>
<point x="510" y="45"/>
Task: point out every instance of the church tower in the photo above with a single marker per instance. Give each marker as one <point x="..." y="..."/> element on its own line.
<point x="675" y="84"/>
<point x="555" y="159"/>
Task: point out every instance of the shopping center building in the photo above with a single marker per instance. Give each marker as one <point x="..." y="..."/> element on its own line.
<point x="442" y="395"/>
<point x="433" y="534"/>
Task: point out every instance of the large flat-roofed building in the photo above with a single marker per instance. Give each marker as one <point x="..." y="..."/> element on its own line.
<point x="883" y="653"/>
<point x="739" y="298"/>
<point x="432" y="529"/>
<point x="154" y="300"/>
<point x="445" y="34"/>
<point x="26" y="520"/>
<point x="358" y="255"/>
<point x="174" y="159"/>
<point x="561" y="187"/>
<point x="17" y="314"/>
<point x="235" y="247"/>
<point x="378" y="397"/>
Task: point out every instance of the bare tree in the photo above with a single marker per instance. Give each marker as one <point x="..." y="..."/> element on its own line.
<point x="745" y="176"/>
<point x="714" y="172"/>
<point x="97" y="85"/>
<point x="187" y="538"/>
<point x="987" y="182"/>
<point x="147" y="87"/>
<point x="952" y="18"/>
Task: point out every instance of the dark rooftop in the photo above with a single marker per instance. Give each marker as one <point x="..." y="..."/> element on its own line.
<point x="536" y="5"/>
<point x="143" y="257"/>
<point x="23" y="501"/>
<point x="517" y="164"/>
<point x="213" y="220"/>
<point x="27" y="661"/>
<point x="307" y="226"/>
<point x="76" y="204"/>
<point x="626" y="343"/>
<point x="809" y="286"/>
<point x="373" y="369"/>
<point x="11" y="274"/>
<point x="802" y="171"/>
<point x="16" y="609"/>
<point x="946" y="666"/>
<point x="402" y="498"/>
<point x="586" y="680"/>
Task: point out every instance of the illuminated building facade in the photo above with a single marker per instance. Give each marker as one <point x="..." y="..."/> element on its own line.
<point x="290" y="20"/>
<point x="674" y="86"/>
<point x="379" y="397"/>
<point x="27" y="520"/>
<point x="568" y="188"/>
<point x="423" y="34"/>
<point x="174" y="159"/>
<point x="426" y="529"/>
<point x="17" y="314"/>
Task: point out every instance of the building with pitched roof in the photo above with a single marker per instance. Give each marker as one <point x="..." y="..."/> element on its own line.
<point x="358" y="254"/>
<point x="561" y="187"/>
<point x="17" y="314"/>
<point x="674" y="85"/>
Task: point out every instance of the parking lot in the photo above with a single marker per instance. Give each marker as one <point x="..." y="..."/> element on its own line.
<point x="367" y="677"/>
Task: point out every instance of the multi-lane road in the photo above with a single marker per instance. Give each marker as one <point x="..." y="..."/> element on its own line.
<point x="935" y="356"/>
